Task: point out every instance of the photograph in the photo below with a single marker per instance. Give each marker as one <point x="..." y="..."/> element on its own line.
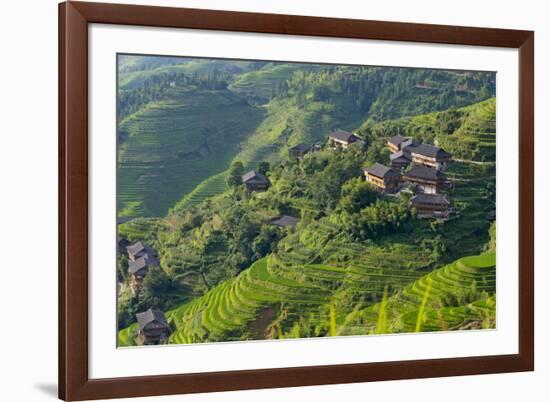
<point x="268" y="200"/>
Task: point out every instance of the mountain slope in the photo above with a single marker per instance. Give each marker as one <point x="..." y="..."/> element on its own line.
<point x="184" y="122"/>
<point x="172" y="145"/>
<point x="267" y="301"/>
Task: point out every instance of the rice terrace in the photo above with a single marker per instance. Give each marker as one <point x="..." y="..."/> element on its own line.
<point x="274" y="200"/>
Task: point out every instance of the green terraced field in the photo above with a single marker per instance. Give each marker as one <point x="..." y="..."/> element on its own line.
<point x="230" y="310"/>
<point x="260" y="85"/>
<point x="175" y="144"/>
<point x="477" y="133"/>
<point x="448" y="291"/>
<point x="209" y="188"/>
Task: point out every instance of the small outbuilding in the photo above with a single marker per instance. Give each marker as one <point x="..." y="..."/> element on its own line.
<point x="299" y="150"/>
<point x="431" y="206"/>
<point x="343" y="139"/>
<point x="383" y="178"/>
<point x="153" y="328"/>
<point x="286" y="221"/>
<point x="254" y="181"/>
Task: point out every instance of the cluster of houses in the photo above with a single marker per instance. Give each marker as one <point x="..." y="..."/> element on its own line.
<point x="153" y="328"/>
<point x="414" y="165"/>
<point x="141" y="257"/>
<point x="417" y="166"/>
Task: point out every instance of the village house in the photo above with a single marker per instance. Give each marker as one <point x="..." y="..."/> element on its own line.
<point x="400" y="160"/>
<point x="431" y="206"/>
<point x="343" y="139"/>
<point x="394" y="143"/>
<point x="428" y="155"/>
<point x="136" y="251"/>
<point x="299" y="150"/>
<point x="383" y="178"/>
<point x="153" y="328"/>
<point x="138" y="269"/>
<point x="254" y="181"/>
<point x="286" y="221"/>
<point x="140" y="258"/>
<point x="427" y="179"/>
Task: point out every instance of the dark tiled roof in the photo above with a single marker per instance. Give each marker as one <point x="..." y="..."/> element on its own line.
<point x="253" y="175"/>
<point x="396" y="139"/>
<point x="285" y="221"/>
<point x="135" y="248"/>
<point x="137" y="265"/>
<point x="399" y="155"/>
<point x="149" y="316"/>
<point x="425" y="172"/>
<point x="434" y="199"/>
<point x="409" y="142"/>
<point x="344" y="136"/>
<point x="381" y="171"/>
<point x="429" y="151"/>
<point x="300" y="147"/>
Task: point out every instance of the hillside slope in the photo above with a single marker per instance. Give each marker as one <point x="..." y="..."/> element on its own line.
<point x="172" y="145"/>
<point x="276" y="299"/>
<point x="467" y="132"/>
<point x="184" y="120"/>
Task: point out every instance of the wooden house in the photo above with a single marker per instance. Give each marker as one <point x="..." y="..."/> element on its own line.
<point x="395" y="142"/>
<point x="428" y="155"/>
<point x="383" y="178"/>
<point x="400" y="160"/>
<point x="431" y="206"/>
<point x="136" y="250"/>
<point x="299" y="150"/>
<point x="254" y="181"/>
<point x="286" y="221"/>
<point x="138" y="269"/>
<point x="429" y="180"/>
<point x="153" y="328"/>
<point x="343" y="139"/>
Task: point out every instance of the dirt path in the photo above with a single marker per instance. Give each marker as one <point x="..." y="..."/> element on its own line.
<point x="474" y="162"/>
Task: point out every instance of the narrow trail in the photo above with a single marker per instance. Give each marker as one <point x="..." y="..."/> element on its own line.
<point x="475" y="162"/>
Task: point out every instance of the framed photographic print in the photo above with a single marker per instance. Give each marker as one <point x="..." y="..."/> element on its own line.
<point x="259" y="200"/>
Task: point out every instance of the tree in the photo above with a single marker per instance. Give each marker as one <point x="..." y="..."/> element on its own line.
<point x="492" y="244"/>
<point x="236" y="170"/>
<point x="356" y="195"/>
<point x="156" y="286"/>
<point x="266" y="241"/>
<point x="263" y="167"/>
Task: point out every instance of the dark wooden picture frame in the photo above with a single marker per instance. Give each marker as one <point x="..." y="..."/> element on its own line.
<point x="74" y="381"/>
